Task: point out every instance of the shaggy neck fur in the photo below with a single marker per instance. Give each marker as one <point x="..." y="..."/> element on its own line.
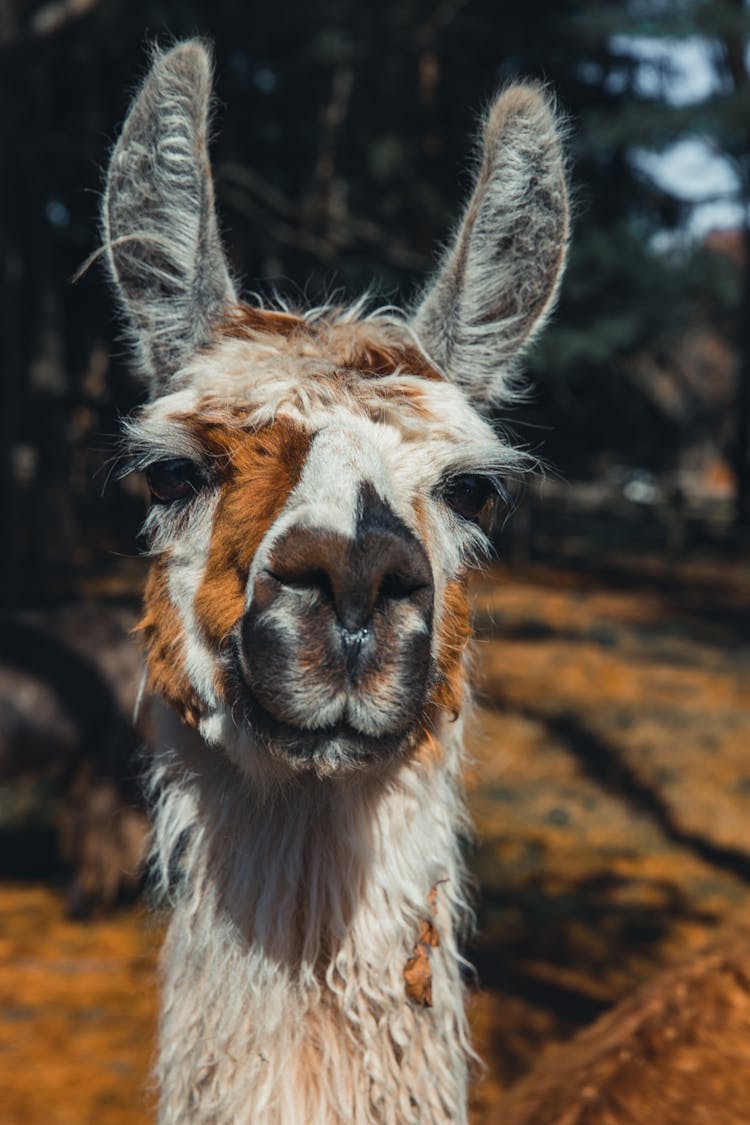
<point x="296" y="914"/>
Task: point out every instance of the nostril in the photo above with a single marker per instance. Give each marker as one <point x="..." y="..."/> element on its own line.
<point x="396" y="586"/>
<point x="352" y="579"/>
<point x="315" y="579"/>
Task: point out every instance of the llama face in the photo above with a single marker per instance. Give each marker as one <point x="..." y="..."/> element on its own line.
<point x="318" y="481"/>
<point x="313" y="520"/>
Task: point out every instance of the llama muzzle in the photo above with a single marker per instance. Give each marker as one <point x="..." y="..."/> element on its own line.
<point x="336" y="642"/>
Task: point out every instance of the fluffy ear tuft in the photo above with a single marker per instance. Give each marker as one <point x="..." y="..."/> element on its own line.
<point x="160" y="232"/>
<point x="498" y="280"/>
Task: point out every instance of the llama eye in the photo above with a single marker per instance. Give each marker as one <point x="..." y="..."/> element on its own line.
<point x="467" y="495"/>
<point x="174" y="479"/>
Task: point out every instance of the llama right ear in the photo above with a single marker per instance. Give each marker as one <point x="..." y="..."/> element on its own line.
<point x="499" y="277"/>
<point x="161" y="237"/>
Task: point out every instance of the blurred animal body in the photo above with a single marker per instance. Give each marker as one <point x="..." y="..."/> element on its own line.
<point x="320" y="481"/>
<point x="65" y="679"/>
<point x="677" y="1052"/>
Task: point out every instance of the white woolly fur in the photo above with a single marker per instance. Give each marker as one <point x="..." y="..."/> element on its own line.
<point x="265" y="1022"/>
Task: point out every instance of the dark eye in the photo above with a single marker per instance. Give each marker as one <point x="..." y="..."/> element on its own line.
<point x="467" y="494"/>
<point x="173" y="479"/>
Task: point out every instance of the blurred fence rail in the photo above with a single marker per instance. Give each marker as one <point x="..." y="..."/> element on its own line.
<point x="627" y="512"/>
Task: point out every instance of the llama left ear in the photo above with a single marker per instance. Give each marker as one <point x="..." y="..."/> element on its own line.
<point x="499" y="278"/>
<point x="161" y="237"/>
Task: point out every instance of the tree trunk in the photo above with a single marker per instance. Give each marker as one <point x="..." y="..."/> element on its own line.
<point x="742" y="444"/>
<point x="10" y="375"/>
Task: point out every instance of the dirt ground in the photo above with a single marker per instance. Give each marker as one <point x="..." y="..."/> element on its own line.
<point x="610" y="786"/>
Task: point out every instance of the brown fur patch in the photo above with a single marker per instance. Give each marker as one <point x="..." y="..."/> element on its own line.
<point x="375" y="359"/>
<point x="453" y="640"/>
<point x="449" y="693"/>
<point x="417" y="970"/>
<point x="162" y="634"/>
<point x="371" y="349"/>
<point x="261" y="470"/>
<point x="246" y="321"/>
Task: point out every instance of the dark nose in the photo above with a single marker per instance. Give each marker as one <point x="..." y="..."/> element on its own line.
<point x="383" y="564"/>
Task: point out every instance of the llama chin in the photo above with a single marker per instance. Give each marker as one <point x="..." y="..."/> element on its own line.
<point x="322" y="483"/>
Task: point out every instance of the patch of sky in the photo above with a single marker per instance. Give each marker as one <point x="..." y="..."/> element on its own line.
<point x="682" y="72"/>
<point x="57" y="213"/>
<point x="692" y="171"/>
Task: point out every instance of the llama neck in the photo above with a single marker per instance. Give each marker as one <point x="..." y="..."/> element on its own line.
<point x="297" y="916"/>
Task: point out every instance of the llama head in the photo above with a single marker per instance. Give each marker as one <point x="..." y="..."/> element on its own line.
<point x="319" y="481"/>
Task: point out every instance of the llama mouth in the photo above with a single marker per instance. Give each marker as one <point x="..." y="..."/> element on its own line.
<point x="338" y="741"/>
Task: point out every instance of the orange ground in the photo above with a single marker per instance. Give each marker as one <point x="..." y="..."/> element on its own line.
<point x="611" y="792"/>
<point x="77" y="1010"/>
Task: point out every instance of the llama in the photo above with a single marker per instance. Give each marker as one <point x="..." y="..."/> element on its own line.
<point x="320" y="483"/>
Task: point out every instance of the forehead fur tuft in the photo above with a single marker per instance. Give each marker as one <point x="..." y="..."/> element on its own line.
<point x="373" y="346"/>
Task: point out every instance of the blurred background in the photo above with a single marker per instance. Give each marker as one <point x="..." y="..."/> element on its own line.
<point x="610" y="780"/>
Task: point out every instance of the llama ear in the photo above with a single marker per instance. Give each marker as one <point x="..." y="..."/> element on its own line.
<point x="499" y="277"/>
<point x="161" y="238"/>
